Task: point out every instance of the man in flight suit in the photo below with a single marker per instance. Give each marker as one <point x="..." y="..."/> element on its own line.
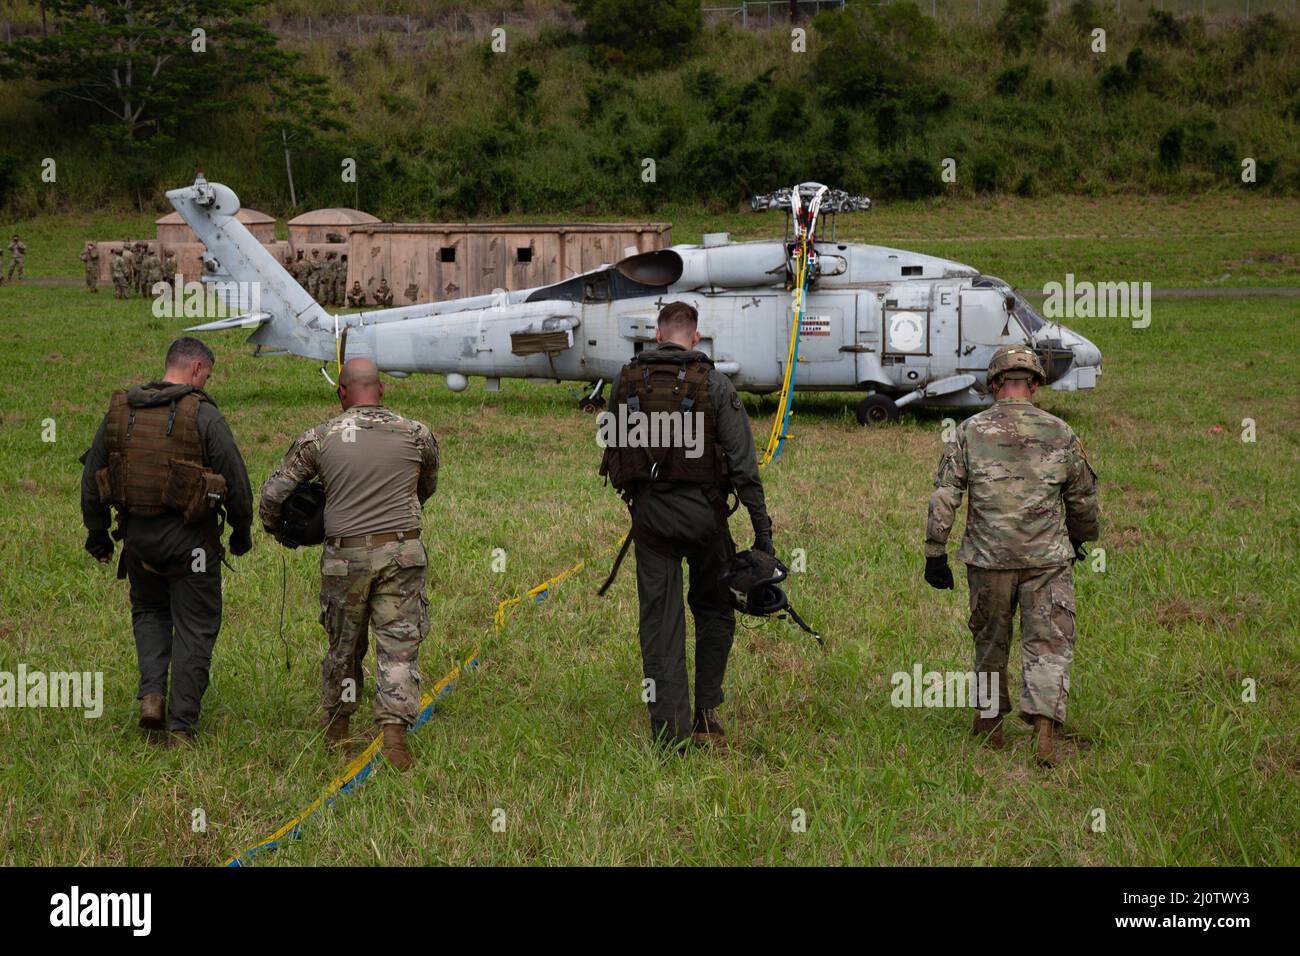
<point x="1032" y="503"/>
<point x="677" y="497"/>
<point x="378" y="469"/>
<point x="150" y="434"/>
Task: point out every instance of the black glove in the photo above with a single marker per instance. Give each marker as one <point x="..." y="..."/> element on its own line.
<point x="241" y="541"/>
<point x="937" y="573"/>
<point x="763" y="542"/>
<point x="1080" y="551"/>
<point x="99" y="545"/>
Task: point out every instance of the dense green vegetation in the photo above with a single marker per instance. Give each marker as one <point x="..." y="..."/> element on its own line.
<point x="440" y="125"/>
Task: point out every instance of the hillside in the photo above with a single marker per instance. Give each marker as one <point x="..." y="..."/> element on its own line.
<point x="441" y="126"/>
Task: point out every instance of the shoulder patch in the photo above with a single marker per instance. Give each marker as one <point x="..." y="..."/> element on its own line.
<point x="736" y="403"/>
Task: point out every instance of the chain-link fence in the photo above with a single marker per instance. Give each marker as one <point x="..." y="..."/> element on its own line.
<point x="764" y="13"/>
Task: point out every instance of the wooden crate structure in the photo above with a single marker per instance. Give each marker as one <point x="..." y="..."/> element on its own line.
<point x="430" y="262"/>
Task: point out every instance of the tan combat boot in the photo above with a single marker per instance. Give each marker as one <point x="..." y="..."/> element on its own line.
<point x="395" y="746"/>
<point x="177" y="739"/>
<point x="708" y="730"/>
<point x="336" y="728"/>
<point x="1044" y="751"/>
<point x="990" y="728"/>
<point x="151" y="712"/>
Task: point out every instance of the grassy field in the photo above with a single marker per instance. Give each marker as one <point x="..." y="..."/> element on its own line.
<point x="1200" y="593"/>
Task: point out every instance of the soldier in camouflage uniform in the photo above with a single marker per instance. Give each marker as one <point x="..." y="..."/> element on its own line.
<point x="357" y="297"/>
<point x="298" y="269"/>
<point x="314" y="268"/>
<point x="169" y="271"/>
<point x="142" y="255"/>
<point x="378" y="469"/>
<point x="117" y="269"/>
<point x="329" y="279"/>
<point x="91" y="258"/>
<point x="1032" y="503"/>
<point x="383" y="294"/>
<point x="128" y="267"/>
<point x="17" y="257"/>
<point x="341" y="283"/>
<point x="153" y="272"/>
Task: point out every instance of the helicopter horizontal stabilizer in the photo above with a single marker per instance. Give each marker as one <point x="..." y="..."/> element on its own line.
<point x="250" y="320"/>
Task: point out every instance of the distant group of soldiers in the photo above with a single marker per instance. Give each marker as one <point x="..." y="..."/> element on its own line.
<point x="135" y="267"/>
<point x="326" y="280"/>
<point x="17" y="260"/>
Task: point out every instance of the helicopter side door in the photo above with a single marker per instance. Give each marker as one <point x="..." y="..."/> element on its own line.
<point x="986" y="324"/>
<point x="829" y="322"/>
<point x="945" y="298"/>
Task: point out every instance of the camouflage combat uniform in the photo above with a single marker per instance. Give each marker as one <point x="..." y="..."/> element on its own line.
<point x="90" y="256"/>
<point x="378" y="469"/>
<point x="117" y="269"/>
<point x="383" y="294"/>
<point x="17" y="258"/>
<point x="314" y="268"/>
<point x="128" y="268"/>
<point x="169" y="272"/>
<point x="341" y="285"/>
<point x="1031" y="490"/>
<point x="142" y="255"/>
<point x="153" y="272"/>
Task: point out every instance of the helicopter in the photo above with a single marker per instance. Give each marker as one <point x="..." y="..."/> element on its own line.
<point x="801" y="313"/>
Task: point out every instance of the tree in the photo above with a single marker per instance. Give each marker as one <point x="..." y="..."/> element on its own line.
<point x="1022" y="24"/>
<point x="143" y="68"/>
<point x="301" y="109"/>
<point x="640" y="34"/>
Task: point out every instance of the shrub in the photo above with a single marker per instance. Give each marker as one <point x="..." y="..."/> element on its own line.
<point x="639" y="34"/>
<point x="1171" y="148"/>
<point x="1022" y="23"/>
<point x="1010" y="81"/>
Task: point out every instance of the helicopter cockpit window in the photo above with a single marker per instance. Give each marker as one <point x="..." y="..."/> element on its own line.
<point x="601" y="286"/>
<point x="1027" y="315"/>
<point x="597" y="288"/>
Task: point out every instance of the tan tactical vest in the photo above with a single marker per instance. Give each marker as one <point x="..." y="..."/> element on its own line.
<point x="667" y="382"/>
<point x="150" y="447"/>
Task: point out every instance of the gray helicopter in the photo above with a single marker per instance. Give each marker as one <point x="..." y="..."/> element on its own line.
<point x="905" y="328"/>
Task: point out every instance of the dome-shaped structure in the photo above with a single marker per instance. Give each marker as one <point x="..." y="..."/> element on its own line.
<point x="172" y="229"/>
<point x="318" y="225"/>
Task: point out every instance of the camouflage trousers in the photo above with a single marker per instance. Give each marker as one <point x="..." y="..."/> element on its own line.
<point x="380" y="586"/>
<point x="1045" y="597"/>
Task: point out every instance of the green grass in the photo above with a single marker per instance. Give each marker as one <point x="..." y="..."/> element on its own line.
<point x="1202" y="537"/>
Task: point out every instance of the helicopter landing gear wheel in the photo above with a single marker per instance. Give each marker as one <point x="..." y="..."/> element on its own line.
<point x="591" y="405"/>
<point x="876" y="410"/>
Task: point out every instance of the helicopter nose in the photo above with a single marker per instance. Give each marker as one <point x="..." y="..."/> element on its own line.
<point x="1086" y="354"/>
